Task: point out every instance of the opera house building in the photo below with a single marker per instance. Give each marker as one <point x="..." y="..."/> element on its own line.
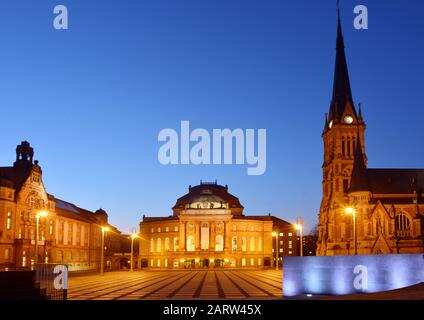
<point x="209" y="230"/>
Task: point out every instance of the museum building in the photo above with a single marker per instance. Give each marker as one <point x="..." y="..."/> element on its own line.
<point x="66" y="233"/>
<point x="208" y="229"/>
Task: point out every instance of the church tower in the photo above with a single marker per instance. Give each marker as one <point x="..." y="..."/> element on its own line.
<point x="344" y="129"/>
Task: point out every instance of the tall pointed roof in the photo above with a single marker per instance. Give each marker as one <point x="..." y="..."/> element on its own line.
<point x="342" y="92"/>
<point x="359" y="180"/>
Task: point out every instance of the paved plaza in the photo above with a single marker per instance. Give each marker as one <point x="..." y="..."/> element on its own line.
<point x="193" y="284"/>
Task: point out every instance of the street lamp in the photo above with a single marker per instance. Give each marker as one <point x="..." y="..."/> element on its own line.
<point x="275" y="234"/>
<point x="104" y="229"/>
<point x="299" y="227"/>
<point x="37" y="218"/>
<point x="352" y="211"/>
<point x="133" y="236"/>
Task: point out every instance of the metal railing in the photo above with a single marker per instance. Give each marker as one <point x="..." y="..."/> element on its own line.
<point x="52" y="280"/>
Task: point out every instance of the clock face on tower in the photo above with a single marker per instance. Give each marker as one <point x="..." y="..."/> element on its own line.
<point x="348" y="120"/>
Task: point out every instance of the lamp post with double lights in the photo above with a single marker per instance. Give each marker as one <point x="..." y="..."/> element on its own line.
<point x="133" y="236"/>
<point x="102" y="256"/>
<point x="37" y="218"/>
<point x="352" y="211"/>
<point x="299" y="227"/>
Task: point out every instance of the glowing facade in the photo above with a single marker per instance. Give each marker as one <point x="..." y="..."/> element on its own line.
<point x="388" y="203"/>
<point x="208" y="229"/>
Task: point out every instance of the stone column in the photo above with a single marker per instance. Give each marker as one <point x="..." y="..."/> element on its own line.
<point x="182" y="242"/>
<point x="197" y="238"/>
<point x="227" y="236"/>
<point x="212" y="236"/>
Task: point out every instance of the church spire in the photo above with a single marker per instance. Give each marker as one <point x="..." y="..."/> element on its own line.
<point x="342" y="93"/>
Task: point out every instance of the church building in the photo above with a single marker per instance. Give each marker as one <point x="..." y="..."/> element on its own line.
<point x="383" y="209"/>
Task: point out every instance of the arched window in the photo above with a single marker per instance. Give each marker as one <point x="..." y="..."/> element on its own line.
<point x="243" y="244"/>
<point x="159" y="245"/>
<point x="167" y="244"/>
<point x="176" y="244"/>
<point x="403" y="225"/>
<point x="190" y="243"/>
<point x="152" y="245"/>
<point x="252" y="244"/>
<point x="219" y="243"/>
<point x="9" y="221"/>
<point x="234" y="244"/>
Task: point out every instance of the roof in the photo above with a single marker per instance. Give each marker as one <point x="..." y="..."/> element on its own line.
<point x="210" y="189"/>
<point x="71" y="211"/>
<point x="275" y="220"/>
<point x="388" y="181"/>
<point x="342" y="92"/>
<point x="17" y="175"/>
<point x="155" y="219"/>
<point x="395" y="181"/>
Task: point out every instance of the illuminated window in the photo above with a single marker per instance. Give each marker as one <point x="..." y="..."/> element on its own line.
<point x="176" y="244"/>
<point x="260" y="244"/>
<point x="290" y="244"/>
<point x="219" y="243"/>
<point x="290" y="252"/>
<point x="159" y="245"/>
<point x="51" y="228"/>
<point x="59" y="255"/>
<point x="252" y="262"/>
<point x="190" y="243"/>
<point x="158" y="262"/>
<point x="9" y="221"/>
<point x="167" y="229"/>
<point x="234" y="244"/>
<point x="403" y="225"/>
<point x="6" y="254"/>
<point x="282" y="234"/>
<point x="259" y="262"/>
<point x="152" y="245"/>
<point x="20" y="233"/>
<point x="152" y="230"/>
<point x="281" y="250"/>
<point x="166" y="263"/>
<point x="290" y="234"/>
<point x="243" y="244"/>
<point x="24" y="261"/>
<point x="176" y="228"/>
<point x="252" y="244"/>
<point x="159" y="229"/>
<point x="167" y="244"/>
<point x="31" y="202"/>
<point x="151" y="262"/>
<point x="243" y="262"/>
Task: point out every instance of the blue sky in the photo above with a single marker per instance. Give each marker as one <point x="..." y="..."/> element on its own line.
<point x="92" y="99"/>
